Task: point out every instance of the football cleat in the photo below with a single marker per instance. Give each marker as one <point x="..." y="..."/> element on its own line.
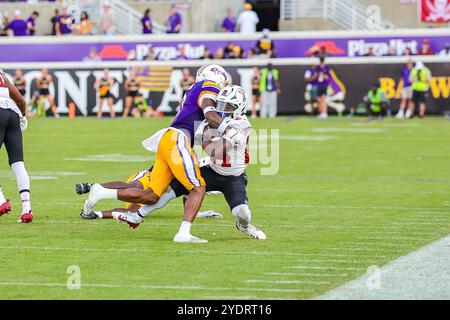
<point x="252" y="231"/>
<point x="5" y="207"/>
<point x="82" y="188"/>
<point x="91" y="216"/>
<point x="133" y="220"/>
<point x="188" y="238"/>
<point x="209" y="214"/>
<point x="92" y="199"/>
<point x="26" y="217"/>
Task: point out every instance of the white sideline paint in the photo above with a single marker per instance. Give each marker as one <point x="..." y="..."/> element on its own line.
<point x="287" y="281"/>
<point x="361" y="249"/>
<point x="116" y="157"/>
<point x="336" y="261"/>
<point x="422" y="274"/>
<point x="145" y="287"/>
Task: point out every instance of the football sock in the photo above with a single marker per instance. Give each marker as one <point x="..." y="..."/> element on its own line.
<point x="2" y="197"/>
<point x="165" y="198"/>
<point x="104" y="193"/>
<point x="99" y="214"/>
<point x="185" y="227"/>
<point x="23" y="184"/>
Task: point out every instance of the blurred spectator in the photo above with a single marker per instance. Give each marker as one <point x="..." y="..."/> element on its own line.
<point x="173" y="20"/>
<point x="85" y="26"/>
<point x="229" y="23"/>
<point x="107" y="20"/>
<point x="406" y="103"/>
<point x="20" y="82"/>
<point x="324" y="53"/>
<point x="251" y="53"/>
<point x="256" y="79"/>
<point x="425" y="50"/>
<point x="369" y="52"/>
<point x="392" y="52"/>
<point x="264" y="44"/>
<point x="310" y="90"/>
<point x="207" y="54"/>
<point x="237" y="52"/>
<point x="321" y="79"/>
<point x="407" y="52"/>
<point x="93" y="56"/>
<point x="147" y="22"/>
<point x="63" y="24"/>
<point x="186" y="81"/>
<point x="446" y="50"/>
<point x="247" y="20"/>
<point x="151" y="55"/>
<point x="103" y="86"/>
<point x="31" y="23"/>
<point x="269" y="88"/>
<point x="420" y="77"/>
<point x="17" y="27"/>
<point x="219" y="54"/>
<point x="376" y="101"/>
<point x="53" y="21"/>
<point x="131" y="86"/>
<point x="4" y="24"/>
<point x="131" y="55"/>
<point x="228" y="50"/>
<point x="181" y="55"/>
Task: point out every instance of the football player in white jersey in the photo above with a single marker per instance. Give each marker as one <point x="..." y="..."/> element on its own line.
<point x="223" y="170"/>
<point x="12" y="123"/>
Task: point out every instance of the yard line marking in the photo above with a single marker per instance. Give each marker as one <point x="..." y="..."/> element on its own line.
<point x="361" y="249"/>
<point x="290" y="274"/>
<point x="130" y="250"/>
<point x="287" y="281"/>
<point x="424" y="219"/>
<point x="400" y="232"/>
<point x="281" y="190"/>
<point x="336" y="261"/>
<point x="398" y="238"/>
<point x="99" y="222"/>
<point x="351" y="207"/>
<point x="324" y="268"/>
<point x="375" y="243"/>
<point x="420" y="223"/>
<point x="145" y="287"/>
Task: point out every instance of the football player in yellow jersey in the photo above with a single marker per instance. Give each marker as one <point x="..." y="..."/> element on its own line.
<point x="175" y="157"/>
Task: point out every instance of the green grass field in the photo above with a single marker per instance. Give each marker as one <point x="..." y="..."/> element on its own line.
<point x="349" y="194"/>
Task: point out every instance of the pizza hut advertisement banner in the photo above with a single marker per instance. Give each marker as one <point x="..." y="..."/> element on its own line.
<point x="434" y="11"/>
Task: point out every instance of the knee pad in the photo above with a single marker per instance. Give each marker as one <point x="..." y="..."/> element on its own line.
<point x="242" y="214"/>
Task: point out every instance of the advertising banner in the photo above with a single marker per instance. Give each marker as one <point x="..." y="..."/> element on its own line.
<point x="161" y="86"/>
<point x="434" y="11"/>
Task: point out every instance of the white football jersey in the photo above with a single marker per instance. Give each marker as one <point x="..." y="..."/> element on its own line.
<point x="5" y="100"/>
<point x="236" y="160"/>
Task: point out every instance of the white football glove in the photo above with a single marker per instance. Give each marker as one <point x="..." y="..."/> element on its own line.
<point x="23" y="123"/>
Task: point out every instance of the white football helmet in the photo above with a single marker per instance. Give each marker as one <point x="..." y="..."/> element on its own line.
<point x="214" y="73"/>
<point x="232" y="101"/>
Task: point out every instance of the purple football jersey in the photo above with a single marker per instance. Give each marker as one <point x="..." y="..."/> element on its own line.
<point x="191" y="112"/>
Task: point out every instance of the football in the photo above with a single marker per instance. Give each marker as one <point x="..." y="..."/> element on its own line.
<point x="214" y="144"/>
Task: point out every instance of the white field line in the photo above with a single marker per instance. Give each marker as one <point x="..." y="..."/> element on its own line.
<point x="286" y="281"/>
<point x="397" y="238"/>
<point x="146" y="287"/>
<point x="382" y="244"/>
<point x="354" y="207"/>
<point x="150" y="223"/>
<point x="324" y="268"/>
<point x="291" y="274"/>
<point x="420" y="223"/>
<point x="361" y="249"/>
<point x="400" y="233"/>
<point x="422" y="274"/>
<point x="336" y="261"/>
<point x="423" y="219"/>
<point x="281" y="190"/>
<point x="130" y="250"/>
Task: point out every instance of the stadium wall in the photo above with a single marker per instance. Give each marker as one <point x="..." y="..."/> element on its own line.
<point x="74" y="81"/>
